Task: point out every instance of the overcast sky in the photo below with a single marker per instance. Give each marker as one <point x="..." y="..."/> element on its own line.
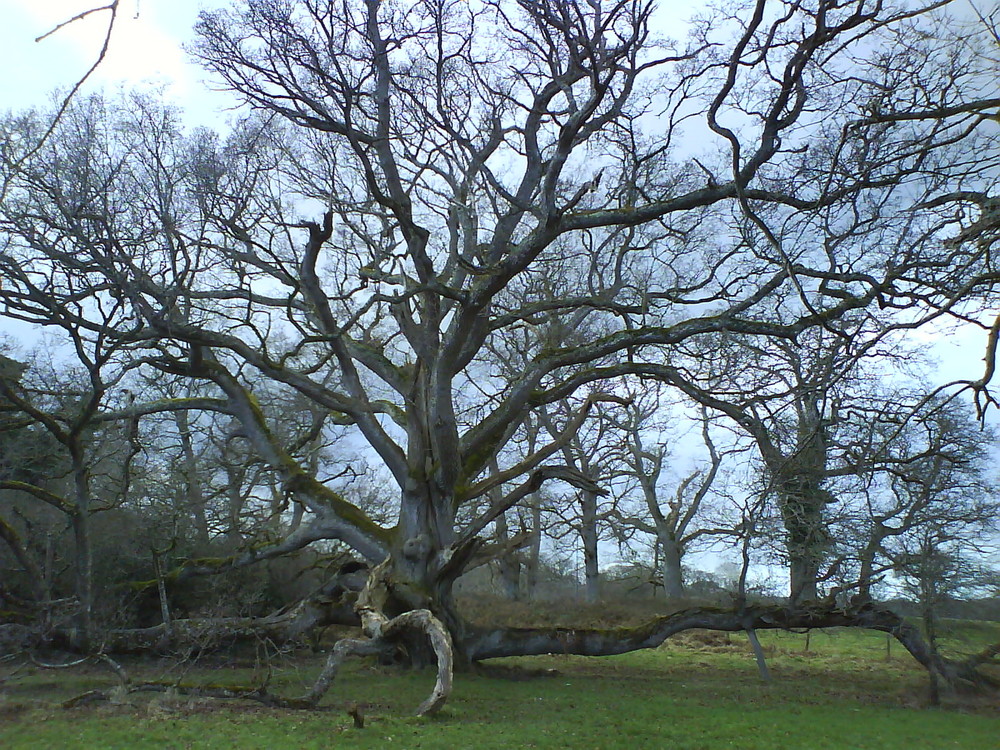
<point x="146" y="50"/>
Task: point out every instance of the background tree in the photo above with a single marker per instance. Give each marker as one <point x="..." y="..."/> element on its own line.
<point x="594" y="452"/>
<point x="85" y="468"/>
<point x="678" y="522"/>
<point x="786" y="398"/>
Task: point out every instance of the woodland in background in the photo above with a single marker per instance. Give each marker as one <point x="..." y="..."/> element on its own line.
<point x="476" y="295"/>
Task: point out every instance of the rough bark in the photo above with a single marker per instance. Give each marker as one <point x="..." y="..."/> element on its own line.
<point x="83" y="564"/>
<point x="508" y="565"/>
<point x="333" y="604"/>
<point x="802" y="506"/>
<point x="490" y="643"/>
<point x="670" y="566"/>
<point x="207" y="634"/>
<point x="589" y="539"/>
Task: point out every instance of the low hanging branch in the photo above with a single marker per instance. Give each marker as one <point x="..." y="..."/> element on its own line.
<point x="382" y="634"/>
<point x="488" y="643"/>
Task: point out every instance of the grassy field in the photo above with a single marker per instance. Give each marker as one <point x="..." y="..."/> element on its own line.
<point x="700" y="690"/>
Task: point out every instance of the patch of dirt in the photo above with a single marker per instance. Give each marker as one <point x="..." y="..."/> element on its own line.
<point x="13" y="709"/>
<point x="707" y="640"/>
<point x="489" y="611"/>
<point x="43" y="686"/>
<point x="514" y="673"/>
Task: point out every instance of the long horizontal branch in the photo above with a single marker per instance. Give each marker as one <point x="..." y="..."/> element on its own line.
<point x="339" y="518"/>
<point x="980" y="107"/>
<point x="56" y="501"/>
<point x="163" y="405"/>
<point x="318" y="529"/>
<point x="499" y="642"/>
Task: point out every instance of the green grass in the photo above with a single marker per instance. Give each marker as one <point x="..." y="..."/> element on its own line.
<point x="966" y="637"/>
<point x="699" y="691"/>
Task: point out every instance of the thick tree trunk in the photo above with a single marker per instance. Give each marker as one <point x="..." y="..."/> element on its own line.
<point x="802" y="574"/>
<point x="670" y="567"/>
<point x="866" y="574"/>
<point x="802" y="506"/>
<point x="83" y="562"/>
<point x="588" y="539"/>
<point x="423" y="566"/>
<point x="508" y="565"/>
<point x="799" y="479"/>
<point x="383" y="631"/>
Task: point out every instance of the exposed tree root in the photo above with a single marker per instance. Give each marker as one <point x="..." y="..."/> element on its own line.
<point x="384" y="632"/>
<point x="423" y="620"/>
<point x="382" y="636"/>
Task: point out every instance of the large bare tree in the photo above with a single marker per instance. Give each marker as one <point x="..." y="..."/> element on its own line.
<point x="758" y="179"/>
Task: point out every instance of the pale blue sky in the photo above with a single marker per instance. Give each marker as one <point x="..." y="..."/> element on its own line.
<point x="146" y="49"/>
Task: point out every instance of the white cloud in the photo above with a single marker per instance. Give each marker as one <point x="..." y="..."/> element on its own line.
<point x="145" y="49"/>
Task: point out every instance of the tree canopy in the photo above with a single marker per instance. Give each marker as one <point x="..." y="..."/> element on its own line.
<point x="438" y="219"/>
